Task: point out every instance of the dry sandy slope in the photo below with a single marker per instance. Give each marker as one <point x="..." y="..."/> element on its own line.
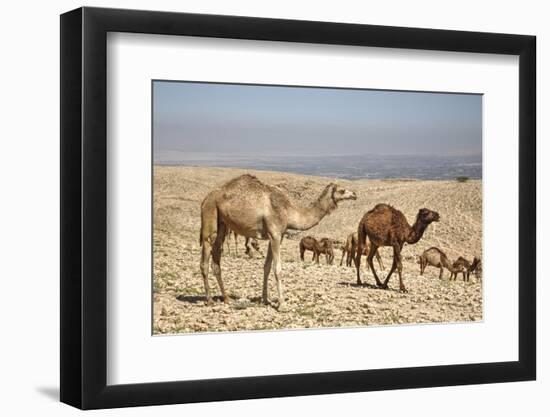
<point x="316" y="295"/>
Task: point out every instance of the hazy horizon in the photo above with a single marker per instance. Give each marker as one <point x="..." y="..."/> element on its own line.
<point x="217" y="121"/>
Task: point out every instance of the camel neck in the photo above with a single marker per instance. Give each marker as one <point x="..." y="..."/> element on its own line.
<point x="417" y="231"/>
<point x="304" y="218"/>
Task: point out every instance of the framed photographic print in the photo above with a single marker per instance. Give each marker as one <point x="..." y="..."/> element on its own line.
<point x="257" y="207"/>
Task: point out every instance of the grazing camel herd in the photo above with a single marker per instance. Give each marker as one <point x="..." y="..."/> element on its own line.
<point x="247" y="207"/>
<point x="436" y="257"/>
<point x="318" y="247"/>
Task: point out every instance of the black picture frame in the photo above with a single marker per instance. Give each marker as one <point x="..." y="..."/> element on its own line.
<point x="84" y="207"/>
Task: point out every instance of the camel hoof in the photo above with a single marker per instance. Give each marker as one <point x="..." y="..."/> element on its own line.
<point x="403" y="290"/>
<point x="209" y="302"/>
<point x="382" y="286"/>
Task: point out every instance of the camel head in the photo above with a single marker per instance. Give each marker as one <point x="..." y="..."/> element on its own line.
<point x="426" y="216"/>
<point x="340" y="194"/>
<point x="423" y="219"/>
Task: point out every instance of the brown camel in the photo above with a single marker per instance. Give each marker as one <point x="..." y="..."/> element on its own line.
<point x="318" y="247"/>
<point x="461" y="265"/>
<point x="350" y="248"/>
<point x="257" y="210"/>
<point x="308" y="243"/>
<point x="476" y="268"/>
<point x="387" y="226"/>
<point x="325" y="247"/>
<point x="436" y="257"/>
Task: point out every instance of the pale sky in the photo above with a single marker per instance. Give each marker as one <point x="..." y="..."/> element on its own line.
<point x="231" y="118"/>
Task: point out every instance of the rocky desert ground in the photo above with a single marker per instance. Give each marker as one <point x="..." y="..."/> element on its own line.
<point x="316" y="295"/>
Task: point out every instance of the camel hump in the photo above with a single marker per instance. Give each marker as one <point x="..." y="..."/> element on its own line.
<point x="382" y="207"/>
<point x="435" y="249"/>
<point x="247" y="179"/>
<point x="246" y="186"/>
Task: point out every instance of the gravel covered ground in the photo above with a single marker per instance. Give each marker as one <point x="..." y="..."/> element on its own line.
<point x="316" y="295"/>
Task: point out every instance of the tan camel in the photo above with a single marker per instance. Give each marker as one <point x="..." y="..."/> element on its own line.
<point x="436" y="257"/>
<point x="257" y="210"/>
<point x="387" y="226"/>
<point x="350" y="248"/>
<point x="347" y="249"/>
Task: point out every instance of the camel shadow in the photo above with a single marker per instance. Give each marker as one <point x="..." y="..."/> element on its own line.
<point x="194" y="299"/>
<point x="365" y="285"/>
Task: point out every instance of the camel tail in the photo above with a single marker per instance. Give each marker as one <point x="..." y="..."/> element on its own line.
<point x="209" y="219"/>
<point x="362" y="234"/>
<point x="200" y="233"/>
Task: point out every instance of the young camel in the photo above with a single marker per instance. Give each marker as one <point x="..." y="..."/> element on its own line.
<point x="346" y="250"/>
<point x="351" y="247"/>
<point x="325" y="247"/>
<point x="476" y="268"/>
<point x="318" y="247"/>
<point x="308" y="243"/>
<point x="249" y="244"/>
<point x="461" y="265"/>
<point x="387" y="226"/>
<point x="257" y="210"/>
<point x="436" y="257"/>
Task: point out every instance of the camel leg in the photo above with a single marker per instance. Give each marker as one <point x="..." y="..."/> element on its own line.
<point x="440" y="272"/>
<point x="353" y="254"/>
<point x="276" y="253"/>
<point x="397" y="255"/>
<point x="216" y="258"/>
<point x="236" y="247"/>
<point x="372" y="251"/>
<point x="342" y="260"/>
<point x="379" y="259"/>
<point x="205" y="263"/>
<point x="358" y="252"/>
<point x="464" y="276"/>
<point x="267" y="270"/>
<point x="392" y="269"/>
